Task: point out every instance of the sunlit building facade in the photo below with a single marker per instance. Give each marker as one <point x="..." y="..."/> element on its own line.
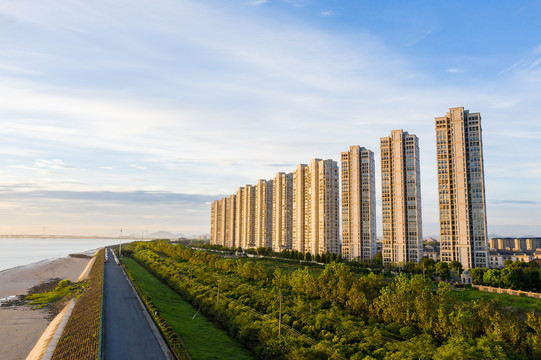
<point x="358" y="204"/>
<point x="263" y="213"/>
<point x="299" y="209"/>
<point x="401" y="198"/>
<point x="316" y="208"/>
<point x="239" y="218"/>
<point x="248" y="217"/>
<point x="282" y="212"/>
<point x="229" y="240"/>
<point x="461" y="188"/>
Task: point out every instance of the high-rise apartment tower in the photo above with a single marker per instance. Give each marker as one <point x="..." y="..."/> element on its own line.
<point x="263" y="213"/>
<point x="282" y="212"/>
<point x="230" y="222"/>
<point x="239" y="218"/>
<point x="461" y="188"/>
<point x="248" y="214"/>
<point x="213" y="219"/>
<point x="299" y="210"/>
<point x="358" y="204"/>
<point x="316" y="208"/>
<point x="401" y="198"/>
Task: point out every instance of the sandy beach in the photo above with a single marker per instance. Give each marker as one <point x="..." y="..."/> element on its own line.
<point x="21" y="326"/>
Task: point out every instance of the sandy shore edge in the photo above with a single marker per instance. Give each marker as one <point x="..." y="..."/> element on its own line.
<point x="22" y="327"/>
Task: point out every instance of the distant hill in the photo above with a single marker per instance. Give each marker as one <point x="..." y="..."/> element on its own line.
<point x="165" y="235"/>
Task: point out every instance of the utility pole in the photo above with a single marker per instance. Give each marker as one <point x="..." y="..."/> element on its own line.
<point x="280" y="317"/>
<point x="120" y="247"/>
<point x="218" y="297"/>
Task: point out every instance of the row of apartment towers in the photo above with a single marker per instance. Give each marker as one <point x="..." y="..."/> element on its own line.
<point x="300" y="210"/>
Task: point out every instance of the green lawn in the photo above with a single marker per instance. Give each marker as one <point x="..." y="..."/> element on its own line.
<point x="203" y="339"/>
<point x="521" y="302"/>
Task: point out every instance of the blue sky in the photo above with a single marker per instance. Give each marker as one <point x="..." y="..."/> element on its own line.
<point x="134" y="115"/>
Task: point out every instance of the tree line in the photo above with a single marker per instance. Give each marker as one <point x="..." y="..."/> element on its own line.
<point x="340" y="313"/>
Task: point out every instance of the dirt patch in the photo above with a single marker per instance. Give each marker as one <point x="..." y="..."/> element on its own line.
<point x="44" y="286"/>
<point x="81" y="256"/>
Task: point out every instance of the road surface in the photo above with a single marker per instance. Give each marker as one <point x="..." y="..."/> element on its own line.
<point x="128" y="330"/>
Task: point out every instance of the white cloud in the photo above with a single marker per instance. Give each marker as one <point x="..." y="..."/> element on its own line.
<point x="42" y="166"/>
<point x="206" y="97"/>
<point x="329" y="12"/>
<point x="455" y="70"/>
<point x="258" y="2"/>
<point x="422" y="37"/>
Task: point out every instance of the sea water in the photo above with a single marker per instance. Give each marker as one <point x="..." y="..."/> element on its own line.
<point x="24" y="251"/>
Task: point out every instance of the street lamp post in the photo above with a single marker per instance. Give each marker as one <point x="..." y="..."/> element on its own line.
<point x="120" y="248"/>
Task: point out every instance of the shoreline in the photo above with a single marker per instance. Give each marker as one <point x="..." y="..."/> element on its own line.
<point x="22" y="326"/>
<point x="90" y="252"/>
<point x="17" y="280"/>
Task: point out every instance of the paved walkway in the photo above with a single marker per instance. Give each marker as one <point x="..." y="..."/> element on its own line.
<point x="127" y="332"/>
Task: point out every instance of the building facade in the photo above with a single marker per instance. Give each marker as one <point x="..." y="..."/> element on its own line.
<point x="263" y="213"/>
<point x="282" y="212"/>
<point x="219" y="218"/>
<point x="299" y="209"/>
<point x="239" y="218"/>
<point x="515" y="243"/>
<point x="358" y="204"/>
<point x="222" y="221"/>
<point x="213" y="217"/>
<point x="316" y="208"/>
<point x="461" y="188"/>
<point x="401" y="198"/>
<point x="229" y="240"/>
<point x="328" y="188"/>
<point x="248" y="214"/>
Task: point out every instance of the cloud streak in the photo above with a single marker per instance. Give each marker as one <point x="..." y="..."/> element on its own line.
<point x="189" y="97"/>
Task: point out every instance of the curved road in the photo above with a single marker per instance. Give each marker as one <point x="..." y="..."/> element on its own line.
<point x="128" y="332"/>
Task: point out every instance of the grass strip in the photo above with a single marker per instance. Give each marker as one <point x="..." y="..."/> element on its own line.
<point x="65" y="289"/>
<point x="521" y="302"/>
<point x="203" y="339"/>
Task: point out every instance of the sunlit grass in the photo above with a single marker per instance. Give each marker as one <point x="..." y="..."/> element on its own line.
<point x="203" y="339"/>
<point x="521" y="302"/>
<point x="65" y="288"/>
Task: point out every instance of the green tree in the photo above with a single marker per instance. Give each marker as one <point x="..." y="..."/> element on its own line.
<point x="477" y="275"/>
<point x="491" y="277"/>
<point x="427" y="264"/>
<point x="278" y="278"/>
<point x="441" y="269"/>
<point x="418" y="348"/>
<point x="455" y="266"/>
<point x="378" y="258"/>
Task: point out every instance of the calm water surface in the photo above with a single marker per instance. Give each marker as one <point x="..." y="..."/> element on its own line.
<point x="23" y="251"/>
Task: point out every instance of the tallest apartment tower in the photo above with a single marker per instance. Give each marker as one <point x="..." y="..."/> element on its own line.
<point x="461" y="188"/>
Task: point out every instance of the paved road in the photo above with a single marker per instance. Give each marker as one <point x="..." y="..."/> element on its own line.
<point x="127" y="333"/>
